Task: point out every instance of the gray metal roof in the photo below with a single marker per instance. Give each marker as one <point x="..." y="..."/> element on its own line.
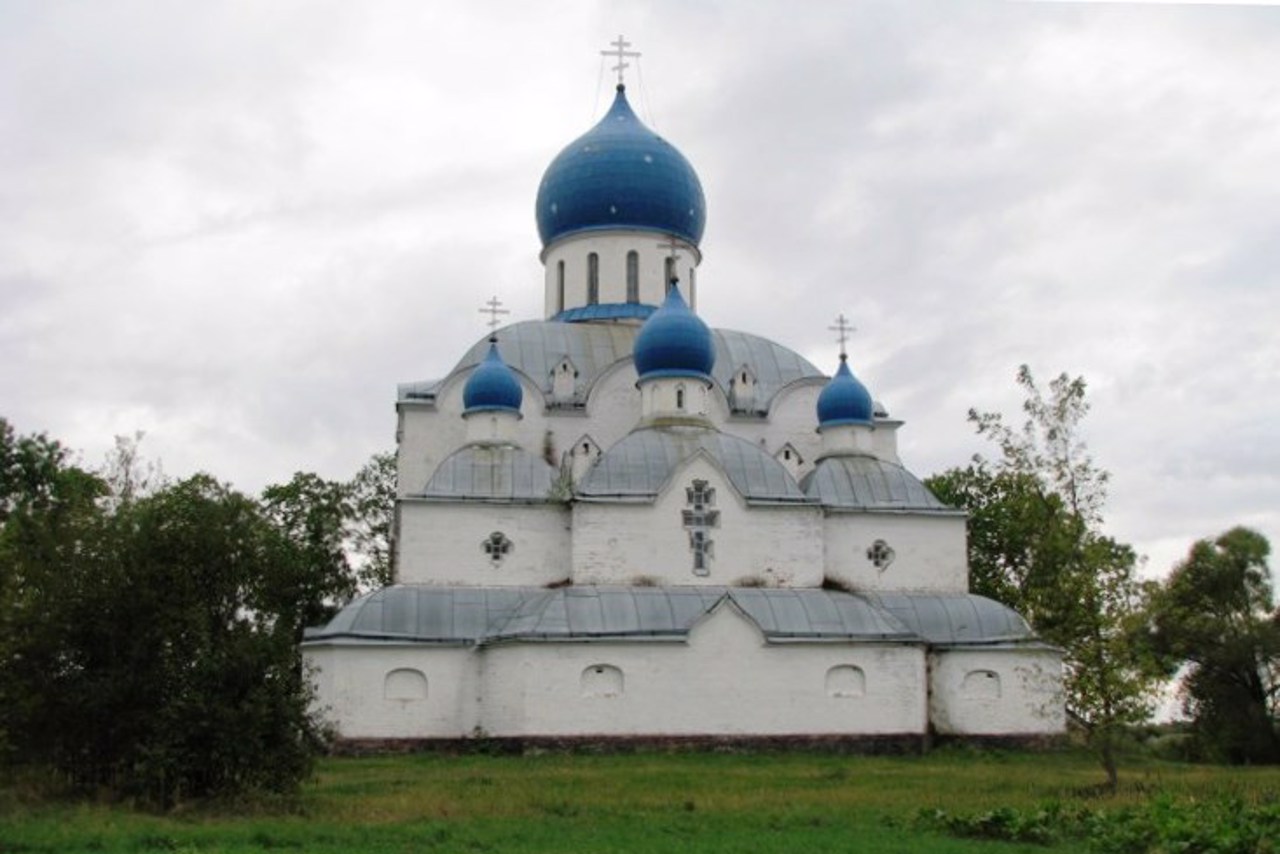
<point x="955" y="618"/>
<point x="643" y="461"/>
<point x="491" y="473"/>
<point x="480" y="615"/>
<point x="865" y="483"/>
<point x="535" y="347"/>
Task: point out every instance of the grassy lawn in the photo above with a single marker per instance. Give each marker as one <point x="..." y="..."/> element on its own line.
<point x="635" y="803"/>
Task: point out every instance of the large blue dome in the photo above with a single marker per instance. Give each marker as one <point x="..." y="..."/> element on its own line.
<point x="845" y="400"/>
<point x="620" y="174"/>
<point x="492" y="385"/>
<point x="674" y="342"/>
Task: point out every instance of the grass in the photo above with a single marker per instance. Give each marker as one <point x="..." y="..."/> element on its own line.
<point x="624" y="803"/>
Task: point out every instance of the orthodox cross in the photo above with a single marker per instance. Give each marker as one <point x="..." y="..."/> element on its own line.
<point x="843" y="329"/>
<point x="698" y="520"/>
<point x="673" y="246"/>
<point x="621" y="53"/>
<point x="493" y="309"/>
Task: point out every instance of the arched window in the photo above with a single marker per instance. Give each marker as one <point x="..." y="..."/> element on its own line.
<point x="680" y="397"/>
<point x="593" y="279"/>
<point x="560" y="286"/>
<point x="633" y="276"/>
<point x="669" y="272"/>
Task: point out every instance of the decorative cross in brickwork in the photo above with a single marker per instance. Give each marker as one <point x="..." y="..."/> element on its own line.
<point x="497" y="546"/>
<point x="881" y="555"/>
<point x="698" y="520"/>
<point x="493" y="309"/>
<point x="621" y="53"/>
<point x="843" y="329"/>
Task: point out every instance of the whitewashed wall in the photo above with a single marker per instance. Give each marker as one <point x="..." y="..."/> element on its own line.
<point x="930" y="551"/>
<point x="353" y="690"/>
<point x="726" y="680"/>
<point x="442" y="543"/>
<point x="618" y="543"/>
<point x="999" y="691"/>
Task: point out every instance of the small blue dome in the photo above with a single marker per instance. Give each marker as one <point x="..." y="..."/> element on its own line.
<point x="620" y="174"/>
<point x="845" y="400"/>
<point x="492" y="385"/>
<point x="674" y="342"/>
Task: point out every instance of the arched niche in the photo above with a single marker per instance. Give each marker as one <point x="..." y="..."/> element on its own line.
<point x="602" y="680"/>
<point x="981" y="685"/>
<point x="405" y="683"/>
<point x="846" y="680"/>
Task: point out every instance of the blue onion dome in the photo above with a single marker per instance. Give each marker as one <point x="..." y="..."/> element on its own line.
<point x="845" y="400"/>
<point x="620" y="174"/>
<point x="492" y="385"/>
<point x="674" y="342"/>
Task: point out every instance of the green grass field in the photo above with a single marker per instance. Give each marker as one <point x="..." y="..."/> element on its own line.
<point x="694" y="802"/>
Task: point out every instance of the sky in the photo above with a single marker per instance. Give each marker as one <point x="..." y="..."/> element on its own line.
<point x="235" y="226"/>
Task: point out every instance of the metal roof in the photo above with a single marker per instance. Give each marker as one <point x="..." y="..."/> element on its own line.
<point x="480" y="615"/>
<point x="955" y="618"/>
<point x="866" y="483"/>
<point x="491" y="473"/>
<point x="643" y="461"/>
<point x="535" y="347"/>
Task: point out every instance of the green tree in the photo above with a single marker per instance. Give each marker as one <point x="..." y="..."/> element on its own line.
<point x="372" y="497"/>
<point x="1036" y="545"/>
<point x="1215" y="612"/>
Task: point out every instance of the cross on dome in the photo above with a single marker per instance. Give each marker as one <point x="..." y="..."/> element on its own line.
<point x="493" y="308"/>
<point x="843" y="329"/>
<point x="621" y="53"/>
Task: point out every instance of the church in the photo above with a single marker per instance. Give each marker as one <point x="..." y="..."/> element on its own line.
<point x="616" y="522"/>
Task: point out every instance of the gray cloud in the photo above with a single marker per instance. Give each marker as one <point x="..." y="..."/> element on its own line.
<point x="236" y="227"/>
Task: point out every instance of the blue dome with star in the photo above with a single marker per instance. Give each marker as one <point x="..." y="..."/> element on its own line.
<point x="492" y="386"/>
<point x="845" y="400"/>
<point x="620" y="174"/>
<point x="674" y="342"/>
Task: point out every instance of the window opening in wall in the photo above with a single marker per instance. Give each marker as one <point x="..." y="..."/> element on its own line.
<point x="698" y="520"/>
<point x="593" y="279"/>
<point x="669" y="272"/>
<point x="560" y="286"/>
<point x="881" y="555"/>
<point x="497" y="546"/>
<point x="680" y="397"/>
<point x="633" y="276"/>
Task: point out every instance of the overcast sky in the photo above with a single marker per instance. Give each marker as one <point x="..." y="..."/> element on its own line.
<point x="237" y="225"/>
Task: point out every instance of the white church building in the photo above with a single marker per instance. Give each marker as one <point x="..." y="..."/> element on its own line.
<point x="615" y="522"/>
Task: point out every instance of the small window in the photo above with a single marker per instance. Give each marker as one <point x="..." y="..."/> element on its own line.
<point x="633" y="276"/>
<point x="669" y="272"/>
<point x="680" y="398"/>
<point x="560" y="286"/>
<point x="593" y="279"/>
<point x="497" y="546"/>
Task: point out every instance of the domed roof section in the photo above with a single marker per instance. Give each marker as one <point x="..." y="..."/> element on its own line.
<point x="492" y="385"/>
<point x="620" y="174"/>
<point x="845" y="400"/>
<point x="494" y="473"/>
<point x="674" y="342"/>
<point x="640" y="465"/>
<point x="861" y="482"/>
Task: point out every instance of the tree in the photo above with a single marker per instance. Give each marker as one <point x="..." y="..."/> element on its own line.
<point x="1215" y="612"/>
<point x="1036" y="545"/>
<point x="372" y="496"/>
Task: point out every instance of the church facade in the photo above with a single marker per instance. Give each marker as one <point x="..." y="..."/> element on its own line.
<point x="617" y="522"/>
